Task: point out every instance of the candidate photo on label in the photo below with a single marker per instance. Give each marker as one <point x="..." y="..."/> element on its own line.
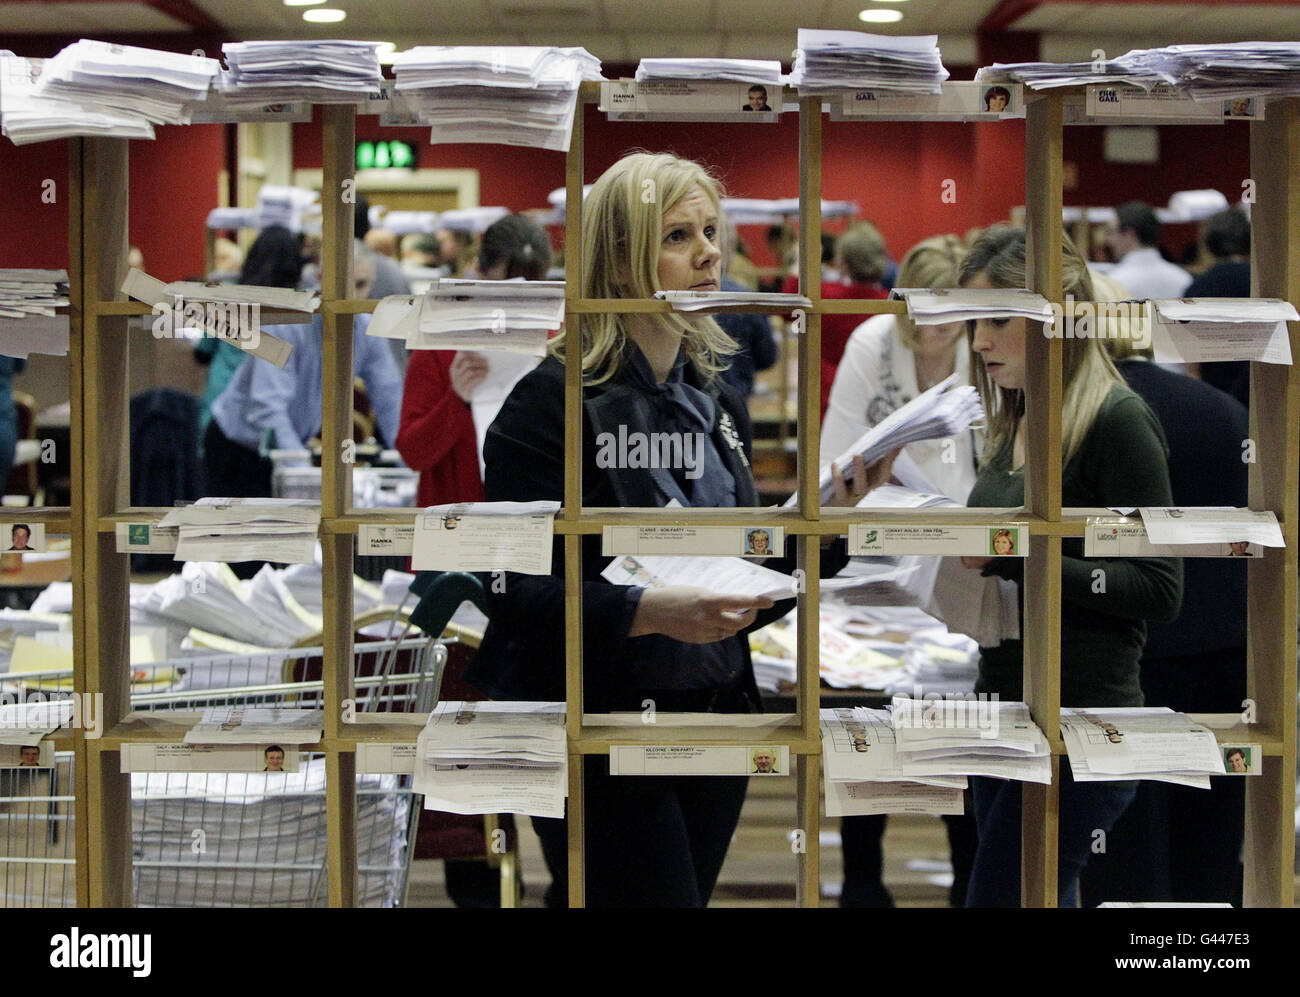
<point x="1236" y="760"/>
<point x="1002" y="543"/>
<point x="996" y="99"/>
<point x="764" y="761"/>
<point x="757" y="99"/>
<point x="758" y="542"/>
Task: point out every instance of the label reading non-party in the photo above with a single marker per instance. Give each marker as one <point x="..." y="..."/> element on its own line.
<point x="1114" y="537"/>
<point x="485" y="536"/>
<point x="698" y="759"/>
<point x="269" y="758"/>
<point x="146" y="538"/>
<point x="385" y="538"/>
<point x="694" y="541"/>
<point x="1009" y="540"/>
<point x="716" y="100"/>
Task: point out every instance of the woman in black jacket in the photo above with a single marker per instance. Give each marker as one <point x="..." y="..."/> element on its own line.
<point x="650" y="223"/>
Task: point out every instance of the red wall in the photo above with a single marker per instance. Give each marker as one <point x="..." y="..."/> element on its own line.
<point x="893" y="170"/>
<point x="173" y="186"/>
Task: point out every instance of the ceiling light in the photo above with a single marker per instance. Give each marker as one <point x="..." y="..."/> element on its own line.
<point x="302" y="3"/>
<point x="324" y="15"/>
<point x="880" y="16"/>
<point x="387" y="52"/>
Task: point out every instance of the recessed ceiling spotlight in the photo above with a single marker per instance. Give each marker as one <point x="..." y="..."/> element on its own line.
<point x="324" y="15"/>
<point x="880" y="16"/>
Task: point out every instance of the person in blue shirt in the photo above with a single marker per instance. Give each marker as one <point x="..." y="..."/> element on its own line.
<point x="265" y="407"/>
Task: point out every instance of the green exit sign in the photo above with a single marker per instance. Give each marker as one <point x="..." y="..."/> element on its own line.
<point x="381" y="155"/>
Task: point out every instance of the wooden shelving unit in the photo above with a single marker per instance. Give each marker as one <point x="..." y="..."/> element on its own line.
<point x="97" y="240"/>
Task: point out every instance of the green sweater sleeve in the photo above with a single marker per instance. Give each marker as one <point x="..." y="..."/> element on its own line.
<point x="1122" y="462"/>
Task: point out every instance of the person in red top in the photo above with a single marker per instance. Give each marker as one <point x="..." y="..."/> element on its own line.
<point x="436" y="436"/>
<point x="863" y="262"/>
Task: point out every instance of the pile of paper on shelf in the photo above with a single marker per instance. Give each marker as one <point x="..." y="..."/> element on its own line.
<point x="456" y="314"/>
<point x="765" y="71"/>
<point x="864" y="773"/>
<point x="29" y="322"/>
<point x="323" y="72"/>
<point x="494" y="757"/>
<point x="268" y="830"/>
<point x="830" y="61"/>
<point x="1151" y="742"/>
<point x="256" y="725"/>
<point x="147" y="84"/>
<point x="27" y="116"/>
<point x="514" y="95"/>
<point x="246" y="529"/>
<point x="971" y="735"/>
<point x="1208" y="72"/>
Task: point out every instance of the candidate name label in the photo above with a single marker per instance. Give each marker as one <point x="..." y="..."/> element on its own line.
<point x="694" y="541"/>
<point x="209" y="758"/>
<point x="386" y="759"/>
<point x="1163" y="101"/>
<point x="688" y="100"/>
<point x="1124" y="538"/>
<point x="945" y="541"/>
<point x="957" y="101"/>
<point x="385" y="538"/>
<point x="146" y="538"/>
<point x="698" y="759"/>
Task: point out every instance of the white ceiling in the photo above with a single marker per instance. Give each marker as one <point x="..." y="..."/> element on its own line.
<point x="627" y="30"/>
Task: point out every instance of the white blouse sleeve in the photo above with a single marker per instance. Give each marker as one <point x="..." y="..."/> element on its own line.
<point x="857" y="382"/>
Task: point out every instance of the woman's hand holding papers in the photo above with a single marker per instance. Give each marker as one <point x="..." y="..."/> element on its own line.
<point x="849" y="490"/>
<point x="694" y="615"/>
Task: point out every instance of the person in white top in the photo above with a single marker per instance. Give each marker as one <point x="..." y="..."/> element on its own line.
<point x="1140" y="267"/>
<point x="889" y="361"/>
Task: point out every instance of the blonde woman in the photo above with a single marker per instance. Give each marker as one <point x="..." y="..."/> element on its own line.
<point x="889" y="360"/>
<point x="1114" y="454"/>
<point x="650" y="222"/>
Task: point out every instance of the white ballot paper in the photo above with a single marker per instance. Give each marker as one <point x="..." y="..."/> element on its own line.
<point x="858" y="745"/>
<point x="256" y="725"/>
<point x="1150" y="742"/>
<point x="505" y="370"/>
<point x="1211" y="526"/>
<point x="246" y="529"/>
<point x="939" y="307"/>
<point x="970" y="735"/>
<point x="943" y="410"/>
<point x="485" y="536"/>
<point x="731" y="575"/>
<point x="493" y="757"/>
<point x="698" y="301"/>
<point x="857" y="799"/>
<point x="1187" y="330"/>
<point x="28" y="722"/>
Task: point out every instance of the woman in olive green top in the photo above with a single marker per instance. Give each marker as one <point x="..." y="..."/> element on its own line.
<point x="1114" y="456"/>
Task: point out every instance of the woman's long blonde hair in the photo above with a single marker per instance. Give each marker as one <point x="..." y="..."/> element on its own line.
<point x="622" y="232"/>
<point x="1089" y="375"/>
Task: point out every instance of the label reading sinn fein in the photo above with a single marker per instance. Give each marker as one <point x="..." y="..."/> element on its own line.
<point x="1008" y="540"/>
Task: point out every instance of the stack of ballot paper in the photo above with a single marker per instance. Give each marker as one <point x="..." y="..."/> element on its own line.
<point x="29" y="322"/>
<point x="246" y="529"/>
<point x="456" y="219"/>
<point x="122" y="79"/>
<point x="523" y="95"/>
<point x="970" y="735"/>
<point x="1188" y="330"/>
<point x="938" y="307"/>
<point x="1047" y="75"/>
<point x="454" y="314"/>
<point x="732" y="575"/>
<point x="27" y="116"/>
<point x="324" y="72"/>
<point x="759" y="211"/>
<point x="256" y="725"/>
<point x="494" y="757"/>
<point x="696" y="301"/>
<point x="865" y="774"/>
<point x="944" y="410"/>
<point x="1219" y="71"/>
<point x="269" y="832"/>
<point x="830" y="61"/>
<point x="938" y="661"/>
<point x="765" y="71"/>
<point x="1149" y="742"/>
